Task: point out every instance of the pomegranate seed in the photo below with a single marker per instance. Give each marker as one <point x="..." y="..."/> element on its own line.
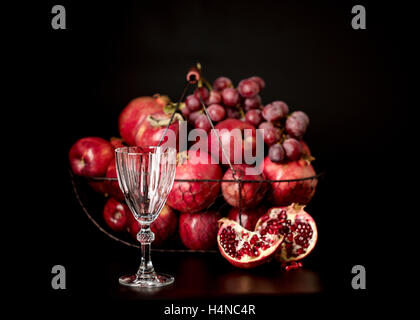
<point x="254" y="239"/>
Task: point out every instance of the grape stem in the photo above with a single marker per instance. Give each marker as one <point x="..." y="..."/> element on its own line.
<point x="241" y="111"/>
<point x="207" y="84"/>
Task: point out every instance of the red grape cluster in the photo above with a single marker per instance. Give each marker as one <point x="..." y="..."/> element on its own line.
<point x="225" y="101"/>
<point x="283" y="132"/>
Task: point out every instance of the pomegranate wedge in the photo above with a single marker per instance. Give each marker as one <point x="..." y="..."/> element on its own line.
<point x="296" y="226"/>
<point x="244" y="248"/>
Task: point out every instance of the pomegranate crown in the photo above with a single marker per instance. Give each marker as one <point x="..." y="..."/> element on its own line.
<point x="296" y="207"/>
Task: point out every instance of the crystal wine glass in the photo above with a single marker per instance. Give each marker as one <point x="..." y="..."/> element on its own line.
<point x="146" y="176"/>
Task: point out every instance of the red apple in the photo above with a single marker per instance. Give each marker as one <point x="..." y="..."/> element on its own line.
<point x="134" y="113"/>
<point x="90" y="157"/>
<point x="163" y="227"/>
<point x="116" y="214"/>
<point x="133" y="226"/>
<point x="106" y="187"/>
<point x="113" y="187"/>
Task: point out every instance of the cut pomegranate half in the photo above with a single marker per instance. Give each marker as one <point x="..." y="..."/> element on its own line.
<point x="244" y="248"/>
<point x="296" y="226"/>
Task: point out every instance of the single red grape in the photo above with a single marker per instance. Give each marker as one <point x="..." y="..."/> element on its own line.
<point x="293" y="149"/>
<point x="252" y="103"/>
<point x="222" y="83"/>
<point x="276" y="153"/>
<point x="185" y="111"/>
<point x="296" y="124"/>
<point x="192" y="103"/>
<point x="265" y="125"/>
<point x="194" y="115"/>
<point x="216" y="112"/>
<point x="214" y="98"/>
<point x="202" y="123"/>
<point x="301" y="114"/>
<point x="275" y="111"/>
<point x="248" y="88"/>
<point x="283" y="106"/>
<point x="254" y="117"/>
<point x="260" y="81"/>
<point x="272" y="135"/>
<point x="230" y="97"/>
<point x="204" y="93"/>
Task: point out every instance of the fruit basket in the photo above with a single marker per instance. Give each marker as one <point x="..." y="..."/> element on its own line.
<point x="203" y="194"/>
<point x="92" y="203"/>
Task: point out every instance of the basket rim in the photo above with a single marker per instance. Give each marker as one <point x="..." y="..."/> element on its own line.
<point x="318" y="175"/>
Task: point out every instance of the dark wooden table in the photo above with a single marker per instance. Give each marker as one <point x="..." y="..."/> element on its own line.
<point x="197" y="276"/>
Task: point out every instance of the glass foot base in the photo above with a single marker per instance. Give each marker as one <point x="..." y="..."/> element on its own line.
<point x="134" y="280"/>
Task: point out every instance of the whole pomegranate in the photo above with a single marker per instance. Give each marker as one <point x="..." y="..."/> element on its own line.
<point x="198" y="230"/>
<point x="161" y="99"/>
<point x="190" y="196"/>
<point x="134" y="113"/>
<point x="244" y="248"/>
<point x="286" y="193"/>
<point x="306" y="152"/>
<point x="164" y="227"/>
<point x="116" y="214"/>
<point x="238" y="139"/>
<point x="248" y="217"/>
<point x="296" y="226"/>
<point x="251" y="192"/>
<point x="151" y="129"/>
<point x="90" y="156"/>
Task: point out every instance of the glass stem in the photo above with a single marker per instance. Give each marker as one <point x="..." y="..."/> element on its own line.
<point x="146" y="237"/>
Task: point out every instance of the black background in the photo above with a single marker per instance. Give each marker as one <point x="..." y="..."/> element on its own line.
<point x="351" y="83"/>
